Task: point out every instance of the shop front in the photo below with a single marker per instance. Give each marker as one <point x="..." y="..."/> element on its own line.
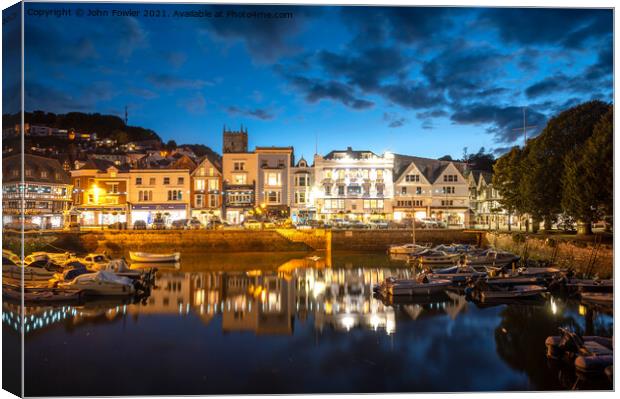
<point x="101" y="216"/>
<point x="168" y="212"/>
<point x="206" y="215"/>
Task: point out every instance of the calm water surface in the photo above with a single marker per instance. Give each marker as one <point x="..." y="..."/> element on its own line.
<point x="286" y="324"/>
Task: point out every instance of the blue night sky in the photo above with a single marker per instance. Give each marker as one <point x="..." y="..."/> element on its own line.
<point x="422" y="81"/>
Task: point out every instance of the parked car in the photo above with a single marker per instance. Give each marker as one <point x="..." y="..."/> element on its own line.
<point x="117" y="226"/>
<point x="268" y="224"/>
<point x="428" y="223"/>
<point x="194" y="224"/>
<point x="356" y="224"/>
<point x="378" y="224"/>
<point x="139" y="225"/>
<point x="252" y="224"/>
<point x="179" y="224"/>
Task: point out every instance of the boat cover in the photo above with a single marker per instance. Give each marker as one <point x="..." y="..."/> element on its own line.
<point x="103" y="276"/>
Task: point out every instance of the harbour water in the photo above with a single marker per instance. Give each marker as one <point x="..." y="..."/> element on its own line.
<point x="288" y="324"/>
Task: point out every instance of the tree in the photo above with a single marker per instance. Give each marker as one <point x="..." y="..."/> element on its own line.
<point x="507" y="175"/>
<point x="480" y="161"/>
<point x="446" y="158"/>
<point x="587" y="182"/>
<point x="541" y="183"/>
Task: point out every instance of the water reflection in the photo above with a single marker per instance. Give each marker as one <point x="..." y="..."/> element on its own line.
<point x="301" y="317"/>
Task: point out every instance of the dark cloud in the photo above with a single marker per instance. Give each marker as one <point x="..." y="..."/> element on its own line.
<point x="130" y="36"/>
<point x="257" y="113"/>
<point x="315" y="90"/>
<point x="465" y="70"/>
<point x="405" y="25"/>
<point x="393" y="120"/>
<point x="170" y="82"/>
<point x="41" y="96"/>
<point x="366" y="69"/>
<point x="412" y="95"/>
<point x="266" y="39"/>
<point x="569" y="28"/>
<point x="504" y="121"/>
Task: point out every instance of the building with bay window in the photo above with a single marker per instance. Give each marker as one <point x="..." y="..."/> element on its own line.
<point x="100" y="193"/>
<point x="273" y="193"/>
<point x="161" y="194"/>
<point x="46" y="191"/>
<point x="353" y="185"/>
<point x="206" y="189"/>
<point x="429" y="188"/>
<point x="302" y="206"/>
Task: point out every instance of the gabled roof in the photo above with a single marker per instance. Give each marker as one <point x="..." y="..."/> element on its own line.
<point x="184" y="162"/>
<point x="212" y="160"/>
<point x="102" y="165"/>
<point x="430" y="168"/>
<point x="36" y="164"/>
<point x="353" y="154"/>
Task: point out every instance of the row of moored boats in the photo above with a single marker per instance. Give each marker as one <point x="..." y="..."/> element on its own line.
<point x="63" y="276"/>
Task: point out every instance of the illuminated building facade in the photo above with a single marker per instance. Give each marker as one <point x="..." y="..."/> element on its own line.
<point x="46" y="192"/>
<point x="353" y="185"/>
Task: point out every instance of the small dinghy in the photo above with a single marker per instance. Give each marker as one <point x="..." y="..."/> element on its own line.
<point x="483" y="292"/>
<point x="492" y="259"/>
<point x="421" y="286"/>
<point x="154" y="258"/>
<point x="101" y="283"/>
<point x="406" y="249"/>
<point x="512" y="281"/>
<point x="589" y="354"/>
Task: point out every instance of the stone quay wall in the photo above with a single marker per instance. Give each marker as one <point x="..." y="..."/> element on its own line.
<point x="583" y="256"/>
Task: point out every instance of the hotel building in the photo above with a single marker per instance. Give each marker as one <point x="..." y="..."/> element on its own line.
<point x="353" y="185"/>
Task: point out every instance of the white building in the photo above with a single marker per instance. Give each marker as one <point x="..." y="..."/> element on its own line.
<point x="301" y="200"/>
<point x="353" y="185"/>
<point x="429" y="188"/>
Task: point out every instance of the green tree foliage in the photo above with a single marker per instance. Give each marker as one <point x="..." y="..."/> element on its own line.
<point x="588" y="175"/>
<point x="507" y="174"/>
<point x="480" y="160"/>
<point x="567" y="169"/>
<point x="541" y="184"/>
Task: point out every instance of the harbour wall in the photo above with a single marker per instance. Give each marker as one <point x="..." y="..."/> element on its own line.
<point x="564" y="252"/>
<point x="583" y="256"/>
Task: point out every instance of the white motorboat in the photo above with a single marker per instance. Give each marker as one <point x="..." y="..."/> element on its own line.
<point x="406" y="249"/>
<point x="393" y="286"/>
<point x="96" y="261"/>
<point x="154" y="258"/>
<point x="101" y="283"/>
<point x="41" y="256"/>
<point x="120" y="268"/>
<point x="457" y="274"/>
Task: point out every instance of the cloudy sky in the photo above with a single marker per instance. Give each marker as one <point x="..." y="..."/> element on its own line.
<point x="423" y="81"/>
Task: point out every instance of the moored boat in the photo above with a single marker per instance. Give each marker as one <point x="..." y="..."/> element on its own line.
<point x="96" y="261"/>
<point x="589" y="354"/>
<point x="438" y="258"/>
<point x="423" y="286"/>
<point x="101" y="283"/>
<point x="406" y="249"/>
<point x="598" y="298"/>
<point x="517" y="291"/>
<point x="457" y="274"/>
<point x="154" y="258"/>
